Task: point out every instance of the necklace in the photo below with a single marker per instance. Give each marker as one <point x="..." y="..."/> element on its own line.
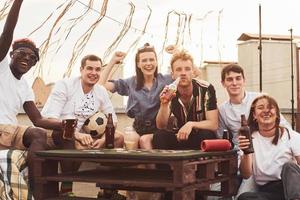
<point x="266" y="132"/>
<point x="268" y="129"/>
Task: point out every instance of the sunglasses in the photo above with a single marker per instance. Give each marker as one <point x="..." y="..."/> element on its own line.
<point x="32" y="58"/>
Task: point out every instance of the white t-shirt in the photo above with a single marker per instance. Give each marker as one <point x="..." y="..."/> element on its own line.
<point x="13" y="94"/>
<point x="230" y="115"/>
<point x="268" y="158"/>
<point x="67" y="100"/>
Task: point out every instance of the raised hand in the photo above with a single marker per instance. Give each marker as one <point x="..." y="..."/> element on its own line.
<point x="9" y="27"/>
<point x="118" y="57"/>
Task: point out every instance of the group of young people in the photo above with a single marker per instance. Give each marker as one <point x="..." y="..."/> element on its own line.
<point x="274" y="165"/>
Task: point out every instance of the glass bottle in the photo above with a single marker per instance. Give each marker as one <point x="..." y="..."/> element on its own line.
<point x="172" y="88"/>
<point x="227" y="135"/>
<point x="109" y="132"/>
<point x="173" y="85"/>
<point x="245" y="131"/>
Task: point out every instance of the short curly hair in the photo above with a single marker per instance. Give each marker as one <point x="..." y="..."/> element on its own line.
<point x="181" y="55"/>
<point x="26" y="43"/>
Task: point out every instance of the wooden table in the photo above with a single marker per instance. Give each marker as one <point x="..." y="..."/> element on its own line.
<point x="186" y="171"/>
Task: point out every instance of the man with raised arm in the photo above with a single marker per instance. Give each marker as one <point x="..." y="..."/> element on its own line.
<point x="16" y="94"/>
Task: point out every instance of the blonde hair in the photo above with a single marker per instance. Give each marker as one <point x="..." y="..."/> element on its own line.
<point x="181" y="55"/>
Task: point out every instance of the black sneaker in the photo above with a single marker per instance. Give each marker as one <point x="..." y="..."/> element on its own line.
<point x="108" y="194"/>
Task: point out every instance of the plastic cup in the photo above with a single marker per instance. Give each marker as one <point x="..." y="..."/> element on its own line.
<point x="129" y="138"/>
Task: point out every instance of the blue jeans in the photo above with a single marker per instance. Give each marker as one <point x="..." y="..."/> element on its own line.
<point x="285" y="189"/>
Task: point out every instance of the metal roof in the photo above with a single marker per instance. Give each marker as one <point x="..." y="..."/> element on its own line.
<point x="251" y="36"/>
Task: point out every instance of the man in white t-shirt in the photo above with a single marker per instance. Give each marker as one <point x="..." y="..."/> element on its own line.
<point x="16" y="94"/>
<point x="239" y="102"/>
<point x="81" y="97"/>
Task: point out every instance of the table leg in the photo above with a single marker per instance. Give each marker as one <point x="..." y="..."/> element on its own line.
<point x="229" y="187"/>
<point x="182" y="194"/>
<point x="183" y="174"/>
<point x="45" y="189"/>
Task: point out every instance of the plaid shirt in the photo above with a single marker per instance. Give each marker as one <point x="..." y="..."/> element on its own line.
<point x="13" y="175"/>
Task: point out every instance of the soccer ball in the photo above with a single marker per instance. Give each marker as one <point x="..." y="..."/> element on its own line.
<point x="95" y="125"/>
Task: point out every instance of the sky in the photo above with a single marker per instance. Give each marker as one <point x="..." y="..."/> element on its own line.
<point x="214" y="28"/>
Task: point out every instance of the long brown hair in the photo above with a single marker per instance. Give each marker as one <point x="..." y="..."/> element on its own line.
<point x="139" y="74"/>
<point x="253" y="123"/>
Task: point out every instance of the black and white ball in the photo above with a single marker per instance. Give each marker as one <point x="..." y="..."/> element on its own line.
<point x="95" y="125"/>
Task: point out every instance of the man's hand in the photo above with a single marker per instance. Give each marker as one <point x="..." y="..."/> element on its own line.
<point x="84" y="139"/>
<point x="184" y="131"/>
<point x="118" y="57"/>
<point x="166" y="95"/>
<point x="98" y="144"/>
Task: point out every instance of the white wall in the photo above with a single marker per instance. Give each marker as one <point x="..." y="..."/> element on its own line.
<point x="276" y="68"/>
<point x="212" y="74"/>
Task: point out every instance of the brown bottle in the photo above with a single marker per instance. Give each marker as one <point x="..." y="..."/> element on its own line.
<point x="227" y="135"/>
<point x="245" y="131"/>
<point x="109" y="133"/>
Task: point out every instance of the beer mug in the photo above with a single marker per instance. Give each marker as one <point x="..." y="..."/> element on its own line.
<point x="69" y="126"/>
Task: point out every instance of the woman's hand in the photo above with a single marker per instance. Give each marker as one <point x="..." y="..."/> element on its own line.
<point x="118" y="57"/>
<point x="243" y="142"/>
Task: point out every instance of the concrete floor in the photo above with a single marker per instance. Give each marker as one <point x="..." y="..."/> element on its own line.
<point x="86" y="189"/>
<point x="90" y="189"/>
